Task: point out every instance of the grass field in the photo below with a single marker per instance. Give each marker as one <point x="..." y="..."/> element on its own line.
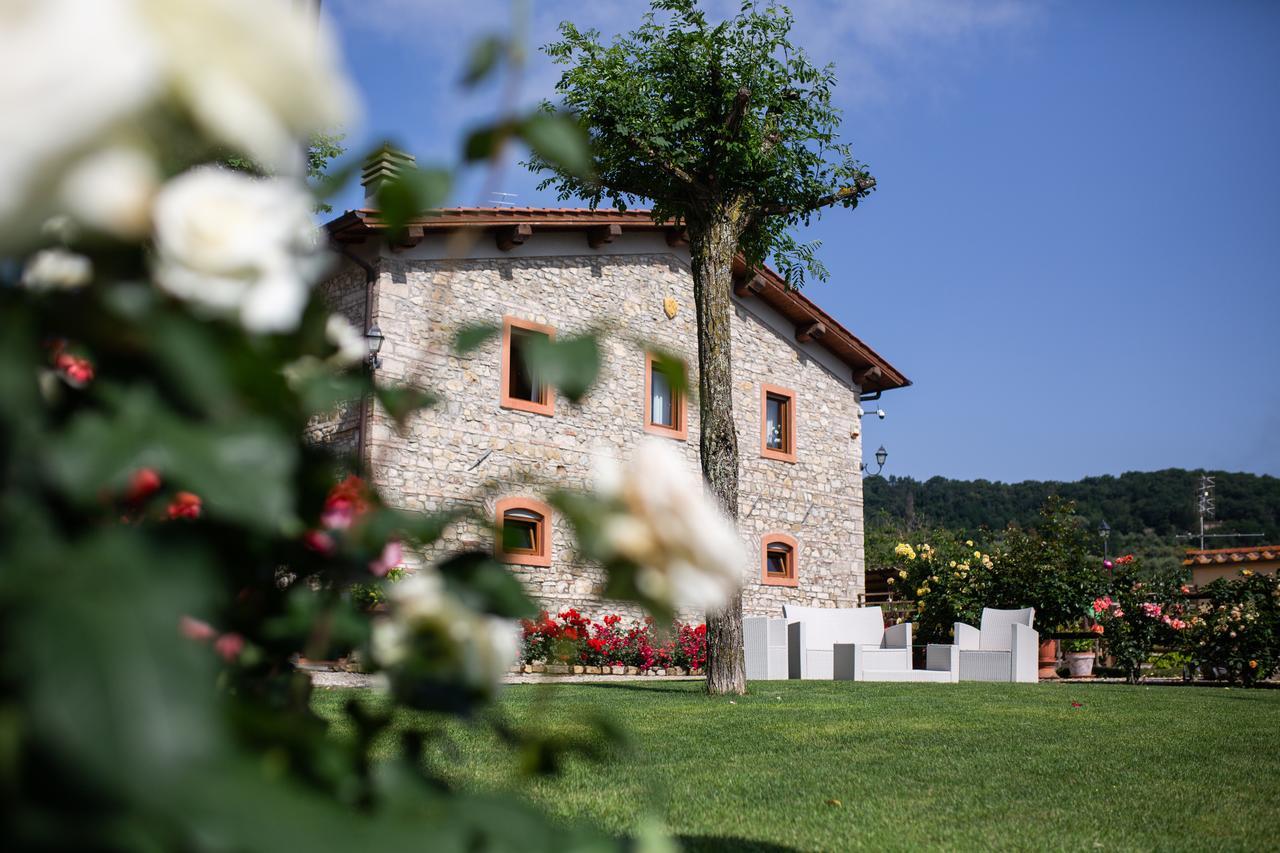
<point x="839" y="766"/>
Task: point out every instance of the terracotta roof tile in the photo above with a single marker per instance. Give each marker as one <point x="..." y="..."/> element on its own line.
<point x="1222" y="556"/>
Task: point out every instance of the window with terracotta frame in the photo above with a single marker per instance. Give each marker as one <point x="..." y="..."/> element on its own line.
<point x="522" y="388"/>
<point x="777" y="423"/>
<point x="524" y="532"/>
<point x="664" y="405"/>
<point x="779" y="560"/>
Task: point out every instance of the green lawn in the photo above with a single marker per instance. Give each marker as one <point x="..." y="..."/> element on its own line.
<point x="970" y="766"/>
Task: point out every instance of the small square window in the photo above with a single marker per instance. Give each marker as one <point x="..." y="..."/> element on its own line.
<point x="664" y="403"/>
<point x="777" y="423"/>
<point x="779" y="563"/>
<point x="523" y="533"/>
<point x="522" y="388"/>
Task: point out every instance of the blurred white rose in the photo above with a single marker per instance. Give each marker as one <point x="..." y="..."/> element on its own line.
<point x="477" y="648"/>
<point x="255" y="76"/>
<point x="687" y="550"/>
<point x="237" y="245"/>
<point x="56" y="269"/>
<point x="352" y="347"/>
<point x="112" y="190"/>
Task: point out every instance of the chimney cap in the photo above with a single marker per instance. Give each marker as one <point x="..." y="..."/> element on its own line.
<point x="387" y="162"/>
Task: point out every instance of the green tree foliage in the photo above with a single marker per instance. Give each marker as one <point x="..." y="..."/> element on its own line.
<point x="1146" y="510"/>
<point x="729" y="129"/>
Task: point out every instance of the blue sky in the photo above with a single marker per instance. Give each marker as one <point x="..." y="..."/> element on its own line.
<point x="1074" y="251"/>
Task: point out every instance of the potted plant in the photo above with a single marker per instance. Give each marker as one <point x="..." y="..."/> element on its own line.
<point x="1079" y="655"/>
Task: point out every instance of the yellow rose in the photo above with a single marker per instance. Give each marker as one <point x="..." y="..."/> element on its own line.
<point x="968" y="543"/>
<point x="977" y="555"/>
<point x="891" y="580"/>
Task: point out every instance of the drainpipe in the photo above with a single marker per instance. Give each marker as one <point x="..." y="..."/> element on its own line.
<point x="370" y="276"/>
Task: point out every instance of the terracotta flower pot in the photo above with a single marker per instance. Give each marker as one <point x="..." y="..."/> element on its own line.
<point x="1080" y="664"/>
<point x="1048" y="659"/>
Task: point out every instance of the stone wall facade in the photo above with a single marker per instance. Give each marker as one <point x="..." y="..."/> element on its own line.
<point x="470" y="450"/>
<point x="345" y="293"/>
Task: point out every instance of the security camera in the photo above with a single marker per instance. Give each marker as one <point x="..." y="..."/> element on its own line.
<point x="860" y="412"/>
<point x="880" y="414"/>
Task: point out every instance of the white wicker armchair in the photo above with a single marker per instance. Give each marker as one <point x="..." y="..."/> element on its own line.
<point x="1005" y="648"/>
<point x="814" y="632"/>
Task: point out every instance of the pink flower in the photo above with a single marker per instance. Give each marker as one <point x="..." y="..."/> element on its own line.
<point x="195" y="629"/>
<point x="1117" y="612"/>
<point x="318" y="541"/>
<point x="345" y="503"/>
<point x="1095" y="628"/>
<point x="392" y="554"/>
<point x="1102" y="605"/>
<point x="1177" y="624"/>
<point x="1150" y="610"/>
<point x="77" y="371"/>
<point x="144" y="483"/>
<point x="229" y="646"/>
<point x="185" y="505"/>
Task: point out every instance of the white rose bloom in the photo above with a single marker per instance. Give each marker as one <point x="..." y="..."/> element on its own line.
<point x="56" y="269"/>
<point x="352" y="347"/>
<point x="257" y="76"/>
<point x="74" y="71"/>
<point x="111" y="190"/>
<point x="484" y="646"/>
<point x="237" y="245"/>
<point x="687" y="550"/>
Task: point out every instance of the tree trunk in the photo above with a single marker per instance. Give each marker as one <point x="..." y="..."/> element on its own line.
<point x="712" y="247"/>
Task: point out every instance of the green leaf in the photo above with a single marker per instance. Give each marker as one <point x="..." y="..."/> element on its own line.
<point x="242" y="470"/>
<point x="560" y="140"/>
<point x="484" y="584"/>
<point x="570" y="364"/>
<point x="401" y="401"/>
<point x="483" y="59"/>
<point x="473" y="337"/>
<point x="410" y="194"/>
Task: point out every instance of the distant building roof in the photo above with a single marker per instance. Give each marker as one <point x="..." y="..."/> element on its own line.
<point x="870" y="370"/>
<point x="1222" y="556"/>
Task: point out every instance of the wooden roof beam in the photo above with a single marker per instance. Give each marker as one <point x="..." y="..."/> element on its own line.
<point x="601" y="234"/>
<point x="806" y="332"/>
<point x="747" y="283"/>
<point x="867" y="374"/>
<point x="511" y="236"/>
<point x="411" y="237"/>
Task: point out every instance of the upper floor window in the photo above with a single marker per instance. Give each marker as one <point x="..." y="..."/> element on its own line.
<point x="522" y="387"/>
<point x="777" y="423"/>
<point x="779" y="560"/>
<point x="524" y="532"/>
<point x="664" y="400"/>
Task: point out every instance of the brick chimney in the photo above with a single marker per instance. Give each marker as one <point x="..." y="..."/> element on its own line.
<point x="383" y="164"/>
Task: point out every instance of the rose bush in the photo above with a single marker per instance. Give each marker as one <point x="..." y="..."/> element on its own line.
<point x="949" y="579"/>
<point x="1138" y="613"/>
<point x="571" y="638"/>
<point x="1235" y="632"/>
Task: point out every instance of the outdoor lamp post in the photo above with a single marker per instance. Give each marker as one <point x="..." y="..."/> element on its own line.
<point x="1104" y="530"/>
<point x="882" y="456"/>
<point x="375" y="338"/>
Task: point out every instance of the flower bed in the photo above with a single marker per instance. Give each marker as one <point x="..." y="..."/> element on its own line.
<point x="572" y="644"/>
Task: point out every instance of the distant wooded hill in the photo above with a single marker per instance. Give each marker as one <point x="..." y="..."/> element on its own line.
<point x="1140" y="505"/>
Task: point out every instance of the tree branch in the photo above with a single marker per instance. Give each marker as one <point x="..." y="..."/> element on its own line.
<point x="734" y="119"/>
<point x="860" y="187"/>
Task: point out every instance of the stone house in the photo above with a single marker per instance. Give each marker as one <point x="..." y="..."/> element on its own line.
<point x="498" y="437"/>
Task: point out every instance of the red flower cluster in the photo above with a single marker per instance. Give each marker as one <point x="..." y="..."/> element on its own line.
<point x="1125" y="560"/>
<point x="185" y="505"/>
<point x="228" y="646"/>
<point x="76" y="370"/>
<point x="572" y="638"/>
